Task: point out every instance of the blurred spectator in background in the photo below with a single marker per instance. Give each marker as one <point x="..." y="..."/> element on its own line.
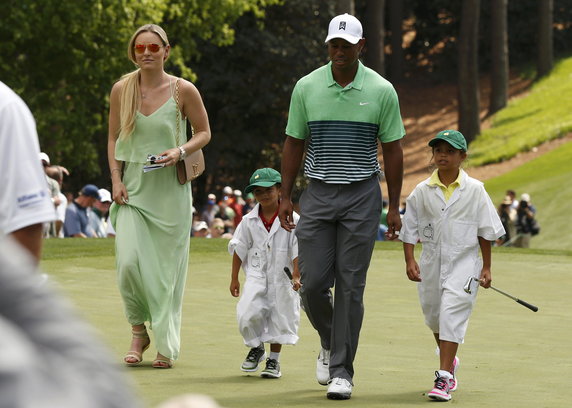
<point x="226" y="214"/>
<point x="201" y="230"/>
<point x="383" y="222"/>
<point x="99" y="213"/>
<point x="403" y="208"/>
<point x="512" y="195"/>
<point x="52" y="184"/>
<point x="57" y="173"/>
<point x="25" y="203"/>
<point x="227" y="191"/>
<point x="217" y="230"/>
<point x="236" y="203"/>
<point x="526" y="225"/>
<point x="54" y="189"/>
<point x="77" y="221"/>
<point x="110" y="230"/>
<point x="249" y="204"/>
<point x="507" y="216"/>
<point x="210" y="210"/>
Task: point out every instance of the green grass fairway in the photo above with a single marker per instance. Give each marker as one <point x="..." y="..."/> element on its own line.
<point x="512" y="357"/>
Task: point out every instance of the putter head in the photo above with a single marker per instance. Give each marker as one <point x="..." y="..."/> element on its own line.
<point x="467" y="287"/>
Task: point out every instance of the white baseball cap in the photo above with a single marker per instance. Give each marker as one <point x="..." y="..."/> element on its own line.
<point x="227" y="190"/>
<point x="346" y="27"/>
<point x="44" y="157"/>
<point x="104" y="195"/>
<point x="200" y="225"/>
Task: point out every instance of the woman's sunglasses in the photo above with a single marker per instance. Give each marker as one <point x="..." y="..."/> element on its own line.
<point x="140" y="48"/>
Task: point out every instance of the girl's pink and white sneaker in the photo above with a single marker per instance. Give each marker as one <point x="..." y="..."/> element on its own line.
<point x="453" y="384"/>
<point x="440" y="391"/>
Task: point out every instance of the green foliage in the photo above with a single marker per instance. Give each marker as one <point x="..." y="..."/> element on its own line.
<point x="247" y="86"/>
<point x="542" y="115"/>
<point x="547" y="180"/>
<point x="436" y="26"/>
<point x="62" y="57"/>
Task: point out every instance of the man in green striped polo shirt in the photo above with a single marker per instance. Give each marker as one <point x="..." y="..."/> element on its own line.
<point x="342" y="109"/>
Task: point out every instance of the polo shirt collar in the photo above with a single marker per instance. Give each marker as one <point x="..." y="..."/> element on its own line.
<point x="357" y="83"/>
<point x="434" y="180"/>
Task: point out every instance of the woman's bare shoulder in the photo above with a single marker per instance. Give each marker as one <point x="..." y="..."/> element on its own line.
<point x="117" y="86"/>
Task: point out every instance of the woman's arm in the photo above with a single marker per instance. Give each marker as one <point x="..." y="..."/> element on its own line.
<point x="193" y="108"/>
<point x="119" y="192"/>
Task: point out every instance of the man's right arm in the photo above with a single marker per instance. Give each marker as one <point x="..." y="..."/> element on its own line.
<point x="30" y="237"/>
<point x="292" y="154"/>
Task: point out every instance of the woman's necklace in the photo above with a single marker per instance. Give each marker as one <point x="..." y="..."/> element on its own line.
<point x="144" y="95"/>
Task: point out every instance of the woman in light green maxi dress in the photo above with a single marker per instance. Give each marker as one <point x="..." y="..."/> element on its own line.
<point x="151" y="212"/>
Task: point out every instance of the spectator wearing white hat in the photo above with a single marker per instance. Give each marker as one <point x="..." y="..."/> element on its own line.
<point x="210" y="210"/>
<point x="201" y="230"/>
<point x="49" y="228"/>
<point x="99" y="213"/>
<point x="52" y="184"/>
<point x="236" y="203"/>
<point x="227" y="191"/>
<point x="57" y="173"/>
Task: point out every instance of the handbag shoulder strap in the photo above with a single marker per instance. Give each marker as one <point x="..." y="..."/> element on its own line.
<point x="177" y="137"/>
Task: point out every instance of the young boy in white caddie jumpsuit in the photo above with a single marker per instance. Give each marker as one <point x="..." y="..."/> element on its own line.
<point x="452" y="215"/>
<point x="268" y="310"/>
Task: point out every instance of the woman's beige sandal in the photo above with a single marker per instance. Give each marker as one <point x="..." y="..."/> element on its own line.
<point x="162" y="363"/>
<point x="133" y="358"/>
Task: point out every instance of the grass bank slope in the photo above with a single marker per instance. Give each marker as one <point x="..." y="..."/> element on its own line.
<point x="542" y="115"/>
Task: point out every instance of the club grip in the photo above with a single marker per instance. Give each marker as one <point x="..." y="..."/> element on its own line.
<point x="526" y="304"/>
<point x="288" y="273"/>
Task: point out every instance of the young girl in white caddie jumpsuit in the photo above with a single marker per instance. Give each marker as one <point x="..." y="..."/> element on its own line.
<point x="269" y="309"/>
<point x="452" y="215"/>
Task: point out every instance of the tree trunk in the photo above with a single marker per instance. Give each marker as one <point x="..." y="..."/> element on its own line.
<point x="374" y="29"/>
<point x="499" y="56"/>
<point x="345" y="6"/>
<point x="396" y="27"/>
<point x="469" y="121"/>
<point x="545" y="56"/>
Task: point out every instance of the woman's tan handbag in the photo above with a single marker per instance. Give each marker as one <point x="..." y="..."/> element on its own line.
<point x="193" y="165"/>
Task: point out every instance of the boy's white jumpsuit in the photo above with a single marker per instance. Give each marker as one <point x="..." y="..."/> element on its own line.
<point x="269" y="309"/>
<point x="449" y="234"/>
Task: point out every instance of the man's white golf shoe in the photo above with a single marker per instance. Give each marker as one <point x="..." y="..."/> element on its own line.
<point x="339" y="389"/>
<point x="323" y="367"/>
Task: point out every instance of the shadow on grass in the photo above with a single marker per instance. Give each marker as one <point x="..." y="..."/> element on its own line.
<point x="316" y="397"/>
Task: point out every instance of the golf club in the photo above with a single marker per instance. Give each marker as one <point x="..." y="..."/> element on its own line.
<point x="468" y="289"/>
<point x="289" y="274"/>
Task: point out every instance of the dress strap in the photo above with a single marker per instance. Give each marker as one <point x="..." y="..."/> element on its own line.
<point x="171" y="86"/>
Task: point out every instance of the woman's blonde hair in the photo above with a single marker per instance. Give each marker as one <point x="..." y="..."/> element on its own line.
<point x="130" y="98"/>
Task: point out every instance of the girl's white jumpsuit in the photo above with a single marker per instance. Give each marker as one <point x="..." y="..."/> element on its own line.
<point x="269" y="309"/>
<point x="449" y="234"/>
